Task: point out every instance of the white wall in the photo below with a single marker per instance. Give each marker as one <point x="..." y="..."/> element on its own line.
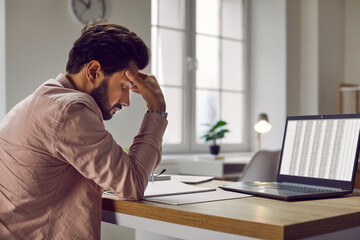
<point x="38" y="43"/>
<point x="300" y="50"/>
<point x="293" y="57"/>
<point x="352" y="52"/>
<point x="308" y="53"/>
<point x="325" y="54"/>
<point x="2" y="60"/>
<point x="268" y="67"/>
<point x="302" y="57"/>
<point x="331" y="53"/>
<point x="352" y="41"/>
<point x="39" y="35"/>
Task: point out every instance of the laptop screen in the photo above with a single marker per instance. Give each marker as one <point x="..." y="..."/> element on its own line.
<point x="323" y="148"/>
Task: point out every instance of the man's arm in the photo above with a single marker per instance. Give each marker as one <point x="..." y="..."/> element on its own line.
<point x="82" y="140"/>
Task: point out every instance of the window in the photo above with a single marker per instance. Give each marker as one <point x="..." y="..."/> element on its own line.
<point x="198" y="58"/>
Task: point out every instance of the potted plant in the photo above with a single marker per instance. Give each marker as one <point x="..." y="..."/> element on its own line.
<point x="216" y="132"/>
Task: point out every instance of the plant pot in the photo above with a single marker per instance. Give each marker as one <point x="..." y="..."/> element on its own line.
<point x="215" y="149"/>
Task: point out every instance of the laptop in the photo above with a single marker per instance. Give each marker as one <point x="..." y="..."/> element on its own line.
<point x="319" y="159"/>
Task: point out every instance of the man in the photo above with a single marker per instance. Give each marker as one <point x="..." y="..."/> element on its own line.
<point x="56" y="157"/>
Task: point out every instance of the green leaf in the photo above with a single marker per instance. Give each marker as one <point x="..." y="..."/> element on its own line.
<point x="217" y="125"/>
<point x="213" y="134"/>
<point x="221" y="123"/>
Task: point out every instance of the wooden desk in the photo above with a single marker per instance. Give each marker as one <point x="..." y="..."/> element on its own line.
<point x="252" y="217"/>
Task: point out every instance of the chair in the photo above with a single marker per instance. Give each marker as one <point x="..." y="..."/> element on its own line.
<point x="262" y="167"/>
<point x="348" y="87"/>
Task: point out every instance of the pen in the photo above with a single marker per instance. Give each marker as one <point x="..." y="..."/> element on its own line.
<point x="161" y="172"/>
<point x="152" y="175"/>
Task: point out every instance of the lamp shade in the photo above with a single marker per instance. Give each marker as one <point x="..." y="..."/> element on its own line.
<point x="263" y="125"/>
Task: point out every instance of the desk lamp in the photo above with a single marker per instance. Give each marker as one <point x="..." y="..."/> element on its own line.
<point x="262" y="126"/>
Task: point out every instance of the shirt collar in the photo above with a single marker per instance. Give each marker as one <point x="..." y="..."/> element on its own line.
<point x="62" y="79"/>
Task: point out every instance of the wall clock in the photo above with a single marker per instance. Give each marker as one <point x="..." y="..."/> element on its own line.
<point x="88" y="10"/>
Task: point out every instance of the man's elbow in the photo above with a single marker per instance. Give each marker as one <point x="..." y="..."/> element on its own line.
<point x="135" y="195"/>
<point x="135" y="192"/>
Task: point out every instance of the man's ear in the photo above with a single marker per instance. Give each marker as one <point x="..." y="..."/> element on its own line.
<point x="93" y="68"/>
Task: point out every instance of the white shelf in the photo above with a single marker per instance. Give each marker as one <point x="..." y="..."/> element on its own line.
<point x="206" y="165"/>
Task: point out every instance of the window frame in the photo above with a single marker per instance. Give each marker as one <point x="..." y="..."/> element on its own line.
<point x="189" y="143"/>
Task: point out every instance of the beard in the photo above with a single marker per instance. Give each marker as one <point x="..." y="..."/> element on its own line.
<point x="100" y="95"/>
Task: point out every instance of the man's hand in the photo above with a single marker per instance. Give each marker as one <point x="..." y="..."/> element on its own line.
<point x="148" y="87"/>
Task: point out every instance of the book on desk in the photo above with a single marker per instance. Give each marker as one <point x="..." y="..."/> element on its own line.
<point x="175" y="192"/>
<point x="172" y="187"/>
<point x="165" y="185"/>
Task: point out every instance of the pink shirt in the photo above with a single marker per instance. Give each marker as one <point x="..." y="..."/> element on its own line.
<point x="56" y="157"/>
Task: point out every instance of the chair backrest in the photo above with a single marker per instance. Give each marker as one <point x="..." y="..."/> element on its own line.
<point x="262" y="167"/>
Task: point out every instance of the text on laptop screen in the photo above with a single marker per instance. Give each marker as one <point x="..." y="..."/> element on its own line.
<point x="322" y="148"/>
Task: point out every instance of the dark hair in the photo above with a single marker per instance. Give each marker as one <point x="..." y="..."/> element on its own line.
<point x="114" y="46"/>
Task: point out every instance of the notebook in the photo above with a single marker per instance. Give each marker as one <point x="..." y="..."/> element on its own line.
<point x="319" y="158"/>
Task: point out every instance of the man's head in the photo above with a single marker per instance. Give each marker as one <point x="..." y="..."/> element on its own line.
<point x="106" y="51"/>
<point x="113" y="46"/>
<point x="113" y="91"/>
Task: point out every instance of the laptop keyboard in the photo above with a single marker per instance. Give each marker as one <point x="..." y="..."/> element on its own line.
<point x="301" y="189"/>
<point x="294" y="188"/>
